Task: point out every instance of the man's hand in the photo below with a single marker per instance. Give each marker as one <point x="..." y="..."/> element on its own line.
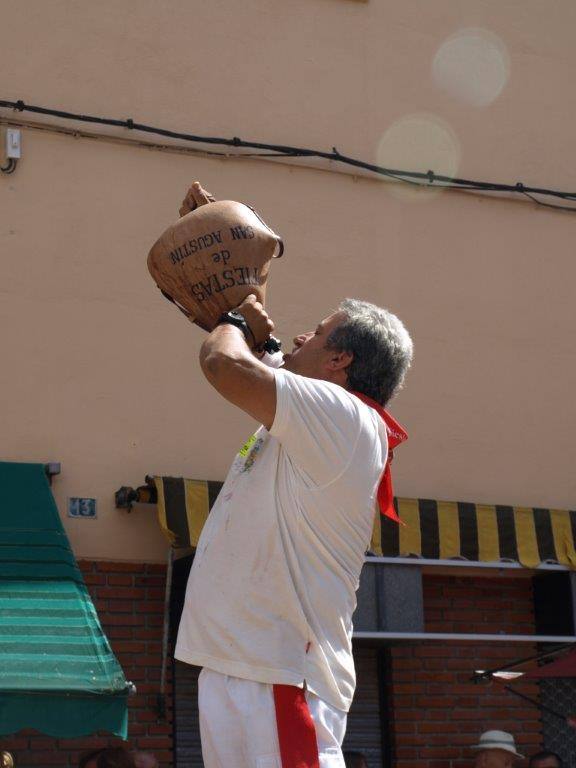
<point x="195" y="197"/>
<point x="257" y="319"/>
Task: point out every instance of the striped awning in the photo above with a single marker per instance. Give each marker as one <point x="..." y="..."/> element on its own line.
<point x="58" y="673"/>
<point x="478" y="532"/>
<point x="183" y="506"/>
<point x="432" y="529"/>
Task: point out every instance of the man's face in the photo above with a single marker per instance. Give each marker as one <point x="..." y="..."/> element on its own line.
<point x="309" y="356"/>
<point x="494" y="758"/>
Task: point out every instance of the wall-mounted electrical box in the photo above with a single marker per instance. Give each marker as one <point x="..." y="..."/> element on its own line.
<point x="13" y="143"/>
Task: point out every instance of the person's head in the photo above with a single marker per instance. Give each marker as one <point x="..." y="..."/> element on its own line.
<point x="109" y="757"/>
<point x="545" y="759"/>
<point x="354" y="759"/>
<point x="145" y="760"/>
<point x="360" y="346"/>
<point x="496" y="749"/>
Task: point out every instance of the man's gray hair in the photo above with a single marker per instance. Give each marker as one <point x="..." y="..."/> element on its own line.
<point x="381" y="348"/>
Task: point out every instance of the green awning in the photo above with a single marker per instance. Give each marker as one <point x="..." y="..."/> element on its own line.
<point x="57" y="672"/>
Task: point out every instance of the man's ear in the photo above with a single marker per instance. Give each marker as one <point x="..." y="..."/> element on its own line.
<point x="339" y="360"/>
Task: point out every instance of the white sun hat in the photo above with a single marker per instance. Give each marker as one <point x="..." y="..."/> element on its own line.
<point x="498" y="740"/>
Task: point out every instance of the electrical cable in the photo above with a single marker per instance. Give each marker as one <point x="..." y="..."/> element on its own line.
<point x="10" y="167"/>
<point x="428" y="179"/>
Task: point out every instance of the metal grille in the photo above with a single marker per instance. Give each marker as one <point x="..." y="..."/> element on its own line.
<point x="363" y="730"/>
<point x="188" y="751"/>
<point x="560" y="695"/>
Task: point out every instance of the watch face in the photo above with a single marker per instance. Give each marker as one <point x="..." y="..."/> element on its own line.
<point x="236" y="316"/>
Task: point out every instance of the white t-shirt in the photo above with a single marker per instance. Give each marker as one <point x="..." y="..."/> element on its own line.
<point x="272" y="588"/>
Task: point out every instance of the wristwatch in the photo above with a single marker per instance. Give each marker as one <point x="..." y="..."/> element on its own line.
<point x="271" y="344"/>
<point x="237" y="319"/>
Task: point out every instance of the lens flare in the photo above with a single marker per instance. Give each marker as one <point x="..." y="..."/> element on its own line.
<point x="420" y="142"/>
<point x="472" y="66"/>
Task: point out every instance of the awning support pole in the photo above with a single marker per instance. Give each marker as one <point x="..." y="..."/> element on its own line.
<point x="487" y="673"/>
<point x="165" y="637"/>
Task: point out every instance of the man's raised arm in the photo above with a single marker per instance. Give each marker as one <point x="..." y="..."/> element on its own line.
<point x="227" y="361"/>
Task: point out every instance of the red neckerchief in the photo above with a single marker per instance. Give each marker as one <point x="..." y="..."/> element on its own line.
<point x="396" y="435"/>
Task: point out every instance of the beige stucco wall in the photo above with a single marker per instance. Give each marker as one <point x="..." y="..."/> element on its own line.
<point x="99" y="372"/>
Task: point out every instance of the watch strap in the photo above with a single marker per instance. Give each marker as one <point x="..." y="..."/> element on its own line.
<point x="237" y="319"/>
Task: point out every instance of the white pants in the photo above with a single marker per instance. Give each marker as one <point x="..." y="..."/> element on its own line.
<point x="238" y="724"/>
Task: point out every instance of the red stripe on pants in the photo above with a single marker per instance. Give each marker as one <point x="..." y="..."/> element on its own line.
<point x="296" y="731"/>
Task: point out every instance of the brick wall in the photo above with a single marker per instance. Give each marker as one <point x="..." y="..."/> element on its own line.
<point x="437" y="711"/>
<point x="129" y="598"/>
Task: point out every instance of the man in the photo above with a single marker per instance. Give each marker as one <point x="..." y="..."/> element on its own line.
<point x="496" y="749"/>
<point x="272" y="589"/>
<point x="545" y="759"/>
